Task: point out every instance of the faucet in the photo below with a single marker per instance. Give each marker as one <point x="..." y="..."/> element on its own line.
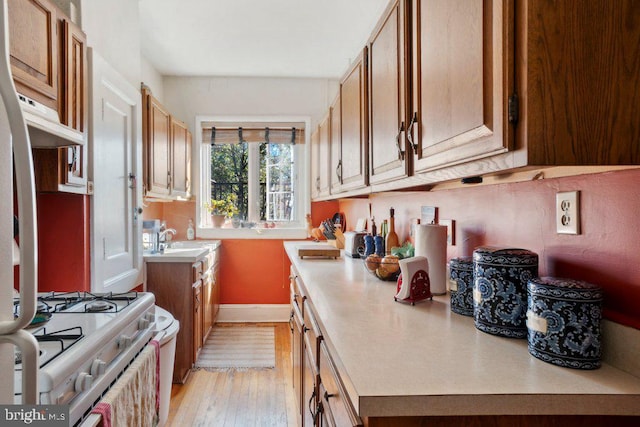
<point x="162" y="238"/>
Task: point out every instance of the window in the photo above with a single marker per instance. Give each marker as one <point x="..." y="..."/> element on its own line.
<point x="262" y="163"/>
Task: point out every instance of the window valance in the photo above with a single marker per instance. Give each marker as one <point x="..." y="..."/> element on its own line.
<point x="234" y="135"/>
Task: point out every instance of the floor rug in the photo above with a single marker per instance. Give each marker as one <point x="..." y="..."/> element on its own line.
<point x="238" y="347"/>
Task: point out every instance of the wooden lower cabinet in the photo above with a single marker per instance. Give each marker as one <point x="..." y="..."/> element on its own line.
<point x="296" y="357"/>
<point x="505" y="421"/>
<point x="320" y="401"/>
<point x="309" y="388"/>
<point x="191" y="293"/>
<point x="198" y="319"/>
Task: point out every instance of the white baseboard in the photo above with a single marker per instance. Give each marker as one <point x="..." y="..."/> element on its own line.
<point x="254" y="313"/>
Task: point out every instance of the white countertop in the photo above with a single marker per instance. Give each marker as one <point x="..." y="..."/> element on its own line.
<point x="184" y="251"/>
<point x="397" y="359"/>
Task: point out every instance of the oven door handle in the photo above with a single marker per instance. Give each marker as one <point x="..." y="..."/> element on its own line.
<point x="30" y="350"/>
<point x="25" y="184"/>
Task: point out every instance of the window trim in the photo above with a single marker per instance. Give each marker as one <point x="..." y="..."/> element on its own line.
<point x="200" y="182"/>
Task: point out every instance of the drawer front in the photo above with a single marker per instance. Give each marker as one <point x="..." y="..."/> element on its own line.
<point x="335" y="402"/>
<point x="209" y="260"/>
<point x="312" y="333"/>
<point x="197" y="271"/>
<point x="296" y="292"/>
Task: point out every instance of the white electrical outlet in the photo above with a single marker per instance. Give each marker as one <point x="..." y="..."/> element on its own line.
<point x="568" y="212"/>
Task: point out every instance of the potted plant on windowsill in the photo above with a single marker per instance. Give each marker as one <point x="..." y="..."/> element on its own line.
<point x="220" y="209"/>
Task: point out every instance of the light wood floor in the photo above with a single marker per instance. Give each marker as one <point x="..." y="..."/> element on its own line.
<point x="257" y="397"/>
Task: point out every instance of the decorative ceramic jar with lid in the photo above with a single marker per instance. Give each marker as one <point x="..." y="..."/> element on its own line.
<point x="500" y="289"/>
<point x="563" y="320"/>
<point x="461" y="285"/>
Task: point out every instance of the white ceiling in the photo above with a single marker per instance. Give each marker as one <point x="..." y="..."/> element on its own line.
<point x="273" y="38"/>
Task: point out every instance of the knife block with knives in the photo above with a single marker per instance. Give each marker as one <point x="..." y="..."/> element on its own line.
<point x="333" y="233"/>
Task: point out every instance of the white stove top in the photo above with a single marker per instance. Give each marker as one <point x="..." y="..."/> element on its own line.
<point x="76" y="343"/>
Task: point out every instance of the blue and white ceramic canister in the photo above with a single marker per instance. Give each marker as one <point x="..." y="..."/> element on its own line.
<point x="500" y="289"/>
<point x="563" y="320"/>
<point x="461" y="285"/>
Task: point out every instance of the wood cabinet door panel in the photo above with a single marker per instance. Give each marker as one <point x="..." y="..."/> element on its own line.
<point x="324" y="148"/>
<point x="354" y="136"/>
<point x="296" y="356"/>
<point x="459" y="81"/>
<point x="172" y="285"/>
<point x="315" y="163"/>
<point x="159" y="149"/>
<point x="335" y="158"/>
<point x="387" y="96"/>
<point x="73" y="102"/>
<point x="198" y="319"/>
<point x="181" y="159"/>
<point x="581" y="76"/>
<point x="33" y="49"/>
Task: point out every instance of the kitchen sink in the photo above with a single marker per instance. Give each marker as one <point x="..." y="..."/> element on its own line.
<point x="191" y="244"/>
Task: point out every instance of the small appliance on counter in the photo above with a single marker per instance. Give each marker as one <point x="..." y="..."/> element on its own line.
<point x="150" y="236"/>
<point x="354" y="243"/>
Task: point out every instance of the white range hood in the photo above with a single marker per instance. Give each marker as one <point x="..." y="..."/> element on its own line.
<point x="45" y="129"/>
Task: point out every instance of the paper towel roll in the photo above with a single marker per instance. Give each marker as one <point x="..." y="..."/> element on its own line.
<point x="431" y="242"/>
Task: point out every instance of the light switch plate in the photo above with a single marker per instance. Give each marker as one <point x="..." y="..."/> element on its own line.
<point x="568" y="212"/>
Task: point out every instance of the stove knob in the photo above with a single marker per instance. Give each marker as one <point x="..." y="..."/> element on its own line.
<point x="98" y="367"/>
<point x="125" y="341"/>
<point x="151" y="317"/>
<point x="143" y="324"/>
<point x="83" y="382"/>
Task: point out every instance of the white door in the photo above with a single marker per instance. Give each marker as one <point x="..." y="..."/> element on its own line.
<point x="115" y="151"/>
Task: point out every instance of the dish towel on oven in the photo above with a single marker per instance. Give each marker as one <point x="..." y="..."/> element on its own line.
<point x="132" y="401"/>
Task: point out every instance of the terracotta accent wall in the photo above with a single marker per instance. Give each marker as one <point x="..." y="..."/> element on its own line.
<point x="63" y="242"/>
<point x="607" y="252"/>
<point x="254" y="272"/>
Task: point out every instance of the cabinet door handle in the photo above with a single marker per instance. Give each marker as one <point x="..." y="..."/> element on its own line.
<point x="313" y="395"/>
<point x="413" y="145"/>
<point x="400" y="150"/>
<point x="339" y="171"/>
<point x="291" y="321"/>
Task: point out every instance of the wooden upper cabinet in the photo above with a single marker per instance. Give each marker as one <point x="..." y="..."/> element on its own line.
<point x="73" y="101"/>
<point x="324" y="147"/>
<point x="315" y="163"/>
<point x="156" y="129"/>
<point x="354" y="122"/>
<point x="459" y="81"/>
<point x="388" y="92"/>
<point x="579" y="80"/>
<point x="166" y="146"/>
<point x="33" y="47"/>
<point x="181" y="159"/>
<point x="335" y="169"/>
<point x="73" y="91"/>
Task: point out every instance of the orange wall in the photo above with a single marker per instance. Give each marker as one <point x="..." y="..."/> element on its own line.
<point x="254" y="272"/>
<point x="63" y="242"/>
<point x="607" y="252"/>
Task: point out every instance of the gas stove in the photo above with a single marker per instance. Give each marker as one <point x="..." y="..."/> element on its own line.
<point x="86" y="341"/>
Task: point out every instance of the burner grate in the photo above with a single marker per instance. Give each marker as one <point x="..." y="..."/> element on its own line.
<point x="61" y="302"/>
